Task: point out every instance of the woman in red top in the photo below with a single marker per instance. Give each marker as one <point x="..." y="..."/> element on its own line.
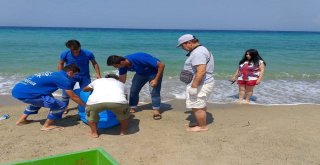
<point x="249" y="74"/>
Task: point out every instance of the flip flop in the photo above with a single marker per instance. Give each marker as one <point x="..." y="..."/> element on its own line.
<point x="157" y="117"/>
<point x="133" y="110"/>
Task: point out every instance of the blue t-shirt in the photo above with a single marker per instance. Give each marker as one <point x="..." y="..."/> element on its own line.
<point x="42" y="84"/>
<point x="142" y="64"/>
<point x="82" y="61"/>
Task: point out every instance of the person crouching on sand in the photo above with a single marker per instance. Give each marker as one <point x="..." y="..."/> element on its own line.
<point x="108" y="94"/>
<point x="37" y="90"/>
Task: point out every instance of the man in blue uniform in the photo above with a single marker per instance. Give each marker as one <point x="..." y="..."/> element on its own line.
<point x="80" y="57"/>
<point x="37" y="90"/>
<point x="148" y="69"/>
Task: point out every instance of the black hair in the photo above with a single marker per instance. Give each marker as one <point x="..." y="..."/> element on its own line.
<point x="114" y="59"/>
<point x="73" y="44"/>
<point x="72" y="67"/>
<point x="111" y="75"/>
<point x="255" y="57"/>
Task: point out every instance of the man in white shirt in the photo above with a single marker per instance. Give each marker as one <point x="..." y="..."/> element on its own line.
<point x="108" y="94"/>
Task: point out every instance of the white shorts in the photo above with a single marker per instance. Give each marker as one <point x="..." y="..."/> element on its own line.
<point x="200" y="100"/>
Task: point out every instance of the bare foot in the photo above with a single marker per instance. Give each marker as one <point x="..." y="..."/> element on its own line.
<point x="156" y="112"/>
<point x="94" y="135"/>
<point x="24" y="122"/>
<point x="132" y="110"/>
<point x="122" y="133"/>
<point x="197" y="129"/>
<point x="51" y="127"/>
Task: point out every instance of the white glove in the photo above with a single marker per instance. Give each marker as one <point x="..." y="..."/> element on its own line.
<point x="192" y="91"/>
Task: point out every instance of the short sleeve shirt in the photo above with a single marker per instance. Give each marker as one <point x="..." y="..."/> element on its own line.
<point x="42" y="84"/>
<point x="253" y="70"/>
<point x="107" y="90"/>
<point x="198" y="56"/>
<point x="141" y="63"/>
<point x="82" y="60"/>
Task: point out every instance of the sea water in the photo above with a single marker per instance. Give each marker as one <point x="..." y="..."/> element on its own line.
<point x="292" y="74"/>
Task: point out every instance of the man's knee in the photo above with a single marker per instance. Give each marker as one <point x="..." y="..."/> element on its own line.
<point x="92" y="116"/>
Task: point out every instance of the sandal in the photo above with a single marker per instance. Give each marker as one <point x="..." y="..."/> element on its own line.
<point x="132" y="110"/>
<point x="157" y="117"/>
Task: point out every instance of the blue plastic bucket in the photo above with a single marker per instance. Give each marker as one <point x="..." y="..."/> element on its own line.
<point x="107" y="118"/>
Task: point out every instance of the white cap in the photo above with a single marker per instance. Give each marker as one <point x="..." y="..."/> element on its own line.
<point x="184" y="38"/>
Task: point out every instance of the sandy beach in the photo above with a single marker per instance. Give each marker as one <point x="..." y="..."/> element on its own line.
<point x="238" y="134"/>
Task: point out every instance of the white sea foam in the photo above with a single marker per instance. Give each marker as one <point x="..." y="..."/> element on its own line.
<point x="269" y="92"/>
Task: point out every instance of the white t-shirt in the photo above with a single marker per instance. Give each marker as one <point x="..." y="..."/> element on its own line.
<point x="201" y="55"/>
<point x="107" y="90"/>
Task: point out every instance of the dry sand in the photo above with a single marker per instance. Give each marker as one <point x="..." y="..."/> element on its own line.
<point x="238" y="134"/>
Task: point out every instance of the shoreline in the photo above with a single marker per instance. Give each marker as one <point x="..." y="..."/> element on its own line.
<point x="7" y="99"/>
<point x="155" y="29"/>
<point x="238" y="134"/>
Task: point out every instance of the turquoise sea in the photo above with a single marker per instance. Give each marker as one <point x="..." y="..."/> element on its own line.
<point x="292" y="73"/>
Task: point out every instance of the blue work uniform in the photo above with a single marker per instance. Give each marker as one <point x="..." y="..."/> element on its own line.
<point x="146" y="69"/>
<point x="37" y="90"/>
<point x="82" y="61"/>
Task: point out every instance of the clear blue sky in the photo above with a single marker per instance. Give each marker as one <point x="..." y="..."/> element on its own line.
<point x="300" y="15"/>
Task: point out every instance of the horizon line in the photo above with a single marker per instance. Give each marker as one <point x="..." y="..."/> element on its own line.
<point x="169" y="29"/>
